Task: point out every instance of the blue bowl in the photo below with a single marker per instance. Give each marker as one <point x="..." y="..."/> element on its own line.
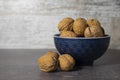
<point x="84" y="50"/>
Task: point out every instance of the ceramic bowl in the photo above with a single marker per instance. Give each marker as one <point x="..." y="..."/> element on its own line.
<point x="84" y="50"/>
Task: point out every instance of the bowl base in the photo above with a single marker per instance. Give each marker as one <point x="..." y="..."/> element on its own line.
<point x="86" y="63"/>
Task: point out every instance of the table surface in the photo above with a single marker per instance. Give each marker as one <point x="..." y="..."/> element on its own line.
<point x="21" y="64"/>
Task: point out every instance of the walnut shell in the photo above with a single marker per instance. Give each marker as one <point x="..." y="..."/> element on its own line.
<point x="79" y="26"/>
<point x="93" y="32"/>
<point x="66" y="62"/>
<point x="93" y="22"/>
<point x="68" y="34"/>
<point x="65" y="24"/>
<point x="48" y="62"/>
<point x="52" y="54"/>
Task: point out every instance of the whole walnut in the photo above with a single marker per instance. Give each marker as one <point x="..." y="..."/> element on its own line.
<point x="93" y="22"/>
<point x="48" y="62"/>
<point x="65" y="24"/>
<point x="79" y="26"/>
<point x="68" y="34"/>
<point x="66" y="62"/>
<point x="93" y="32"/>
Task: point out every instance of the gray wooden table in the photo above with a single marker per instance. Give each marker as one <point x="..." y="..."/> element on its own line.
<point x="22" y="65"/>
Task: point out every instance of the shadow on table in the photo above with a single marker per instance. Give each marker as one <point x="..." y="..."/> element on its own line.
<point x="111" y="57"/>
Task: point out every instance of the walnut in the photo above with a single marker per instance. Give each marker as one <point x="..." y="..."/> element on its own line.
<point x="93" y="32"/>
<point x="52" y="54"/>
<point x="93" y="22"/>
<point x="65" y="24"/>
<point x="79" y="26"/>
<point x="48" y="62"/>
<point x="68" y="34"/>
<point x="66" y="62"/>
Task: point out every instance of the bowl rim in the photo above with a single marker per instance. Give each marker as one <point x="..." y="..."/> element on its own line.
<point x="58" y="36"/>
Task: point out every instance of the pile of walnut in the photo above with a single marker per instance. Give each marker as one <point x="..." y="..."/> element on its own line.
<point x="80" y="27"/>
<point x="69" y="27"/>
<point x="51" y="61"/>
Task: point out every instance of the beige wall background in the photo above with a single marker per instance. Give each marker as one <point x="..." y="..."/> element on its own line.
<point x="32" y="23"/>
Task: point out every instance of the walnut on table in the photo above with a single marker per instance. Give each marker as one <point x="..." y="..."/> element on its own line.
<point x="66" y="62"/>
<point x="48" y="62"/>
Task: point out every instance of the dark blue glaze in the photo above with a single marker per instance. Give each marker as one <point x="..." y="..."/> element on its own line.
<point x="84" y="50"/>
